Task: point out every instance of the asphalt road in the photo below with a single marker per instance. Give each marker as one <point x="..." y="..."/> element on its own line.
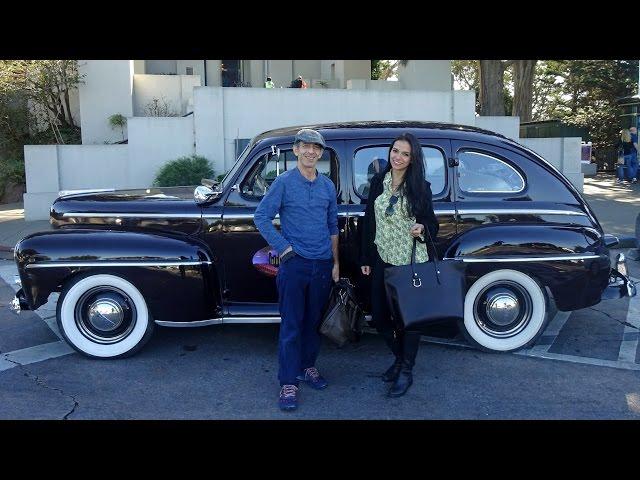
<point x="585" y="366"/>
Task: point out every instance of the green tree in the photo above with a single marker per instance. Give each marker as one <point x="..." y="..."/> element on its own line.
<point x="46" y="85"/>
<point x="585" y="94"/>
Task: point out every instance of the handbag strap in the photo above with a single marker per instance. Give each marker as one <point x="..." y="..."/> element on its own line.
<point x="415" y="277"/>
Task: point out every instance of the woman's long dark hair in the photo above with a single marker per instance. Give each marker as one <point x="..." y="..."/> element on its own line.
<point x="413" y="182"/>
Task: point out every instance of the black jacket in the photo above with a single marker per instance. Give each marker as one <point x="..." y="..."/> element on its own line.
<point x="368" y="248"/>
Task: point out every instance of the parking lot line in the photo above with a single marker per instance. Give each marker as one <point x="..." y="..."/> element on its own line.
<point x="35" y="354"/>
<point x="550" y="334"/>
<point x="629" y="344"/>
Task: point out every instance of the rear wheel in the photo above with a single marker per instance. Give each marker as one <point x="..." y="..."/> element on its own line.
<point x="504" y="310"/>
<point x="103" y="316"/>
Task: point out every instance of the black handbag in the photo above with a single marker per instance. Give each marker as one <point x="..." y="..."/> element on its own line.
<point x="343" y="318"/>
<point x="422" y="293"/>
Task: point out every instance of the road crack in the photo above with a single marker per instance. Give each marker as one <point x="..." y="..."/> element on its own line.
<point x="42" y="384"/>
<point x="613" y="318"/>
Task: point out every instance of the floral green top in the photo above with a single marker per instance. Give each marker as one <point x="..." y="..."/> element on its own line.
<point x="393" y="239"/>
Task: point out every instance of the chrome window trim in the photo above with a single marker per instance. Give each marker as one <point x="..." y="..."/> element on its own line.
<point x="472" y="211"/>
<point x="523" y="211"/>
<point x="465" y="150"/>
<point x="550" y="258"/>
<point x="116" y="264"/>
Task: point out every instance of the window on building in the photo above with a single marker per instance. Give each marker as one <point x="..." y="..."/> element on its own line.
<point x="189" y="70"/>
<point x="368" y="161"/>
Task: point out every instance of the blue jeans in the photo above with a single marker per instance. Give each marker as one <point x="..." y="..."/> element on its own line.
<point x="303" y="290"/>
<point x="630" y="165"/>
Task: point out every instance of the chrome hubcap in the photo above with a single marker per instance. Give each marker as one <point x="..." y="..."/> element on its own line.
<point x="503" y="309"/>
<point x="105" y="315"/>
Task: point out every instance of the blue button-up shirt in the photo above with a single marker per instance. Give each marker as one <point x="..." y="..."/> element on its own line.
<point x="308" y="215"/>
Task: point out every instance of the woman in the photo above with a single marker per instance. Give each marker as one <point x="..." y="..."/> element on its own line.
<point x="628" y="150"/>
<point x="399" y="208"/>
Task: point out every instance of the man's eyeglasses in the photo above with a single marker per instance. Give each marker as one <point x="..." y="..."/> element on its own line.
<point x="392" y="202"/>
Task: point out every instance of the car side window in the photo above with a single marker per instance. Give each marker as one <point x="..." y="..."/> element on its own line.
<point x="268" y="166"/>
<point x="483" y="172"/>
<point x="368" y="161"/>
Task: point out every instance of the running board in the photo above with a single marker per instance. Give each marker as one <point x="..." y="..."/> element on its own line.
<point x="218" y="321"/>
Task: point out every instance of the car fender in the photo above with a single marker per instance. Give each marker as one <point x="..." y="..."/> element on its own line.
<point x="572" y="261"/>
<point x="175" y="273"/>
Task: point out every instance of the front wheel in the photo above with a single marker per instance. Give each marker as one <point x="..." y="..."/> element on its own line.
<point x="504" y="310"/>
<point x="103" y="316"/>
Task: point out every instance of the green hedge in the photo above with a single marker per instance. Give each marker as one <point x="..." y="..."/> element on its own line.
<point x="184" y="171"/>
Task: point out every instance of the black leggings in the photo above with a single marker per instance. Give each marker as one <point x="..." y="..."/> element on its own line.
<point x="404" y="345"/>
<point x="380" y="311"/>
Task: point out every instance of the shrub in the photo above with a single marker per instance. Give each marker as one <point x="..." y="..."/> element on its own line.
<point x="184" y="171"/>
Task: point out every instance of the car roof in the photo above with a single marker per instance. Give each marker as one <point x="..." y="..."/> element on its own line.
<point x="382" y="129"/>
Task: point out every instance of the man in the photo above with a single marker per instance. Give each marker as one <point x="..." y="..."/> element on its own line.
<point x="307" y="246"/>
<point x="269" y="83"/>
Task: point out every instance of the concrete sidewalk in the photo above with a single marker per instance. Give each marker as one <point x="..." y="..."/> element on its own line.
<point x="615" y="205"/>
<point x="13" y="227"/>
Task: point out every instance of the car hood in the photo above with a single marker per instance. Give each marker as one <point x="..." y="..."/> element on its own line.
<point x="170" y="208"/>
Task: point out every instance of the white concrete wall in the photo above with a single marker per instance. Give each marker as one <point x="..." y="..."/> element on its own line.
<point x="562" y="153"/>
<point x="281" y="72"/>
<point x="43" y="184"/>
<point x="175" y="90"/>
<point x="83" y="167"/>
<point x="426" y="75"/>
<point x="139" y="67"/>
<point x="208" y="119"/>
<point x="232" y="109"/>
<point x="196" y="65"/>
<point x="507" y="126"/>
<point x="363" y="84"/>
<point x="161" y="67"/>
<point x="107" y="90"/>
<point x="153" y="141"/>
<point x="357" y="69"/>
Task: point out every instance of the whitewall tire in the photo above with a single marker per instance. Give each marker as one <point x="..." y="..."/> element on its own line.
<point x="103" y="316"/>
<point x="504" y="310"/>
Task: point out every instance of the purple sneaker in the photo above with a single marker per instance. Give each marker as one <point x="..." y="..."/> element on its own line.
<point x="312" y="377"/>
<point x="288" y="397"/>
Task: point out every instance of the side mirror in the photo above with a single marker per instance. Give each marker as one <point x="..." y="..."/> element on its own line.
<point x="202" y="194"/>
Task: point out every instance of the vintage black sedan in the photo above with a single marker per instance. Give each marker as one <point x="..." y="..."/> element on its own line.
<point x="125" y="261"/>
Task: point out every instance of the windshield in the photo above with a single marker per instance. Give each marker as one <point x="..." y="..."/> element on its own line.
<point x="232" y="173"/>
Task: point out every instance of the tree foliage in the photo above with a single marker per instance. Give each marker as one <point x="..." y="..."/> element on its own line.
<point x="585" y="93"/>
<point x="35" y="108"/>
<point x="579" y="92"/>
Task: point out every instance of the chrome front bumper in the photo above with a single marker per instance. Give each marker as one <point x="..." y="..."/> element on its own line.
<point x="19" y="303"/>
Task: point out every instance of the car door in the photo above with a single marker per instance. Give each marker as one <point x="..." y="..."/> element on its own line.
<point x="250" y="264"/>
<point x="498" y="185"/>
<point x="369" y="156"/>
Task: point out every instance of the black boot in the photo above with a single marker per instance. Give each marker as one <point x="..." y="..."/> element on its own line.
<point x="394" y="345"/>
<point x="410" y="343"/>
